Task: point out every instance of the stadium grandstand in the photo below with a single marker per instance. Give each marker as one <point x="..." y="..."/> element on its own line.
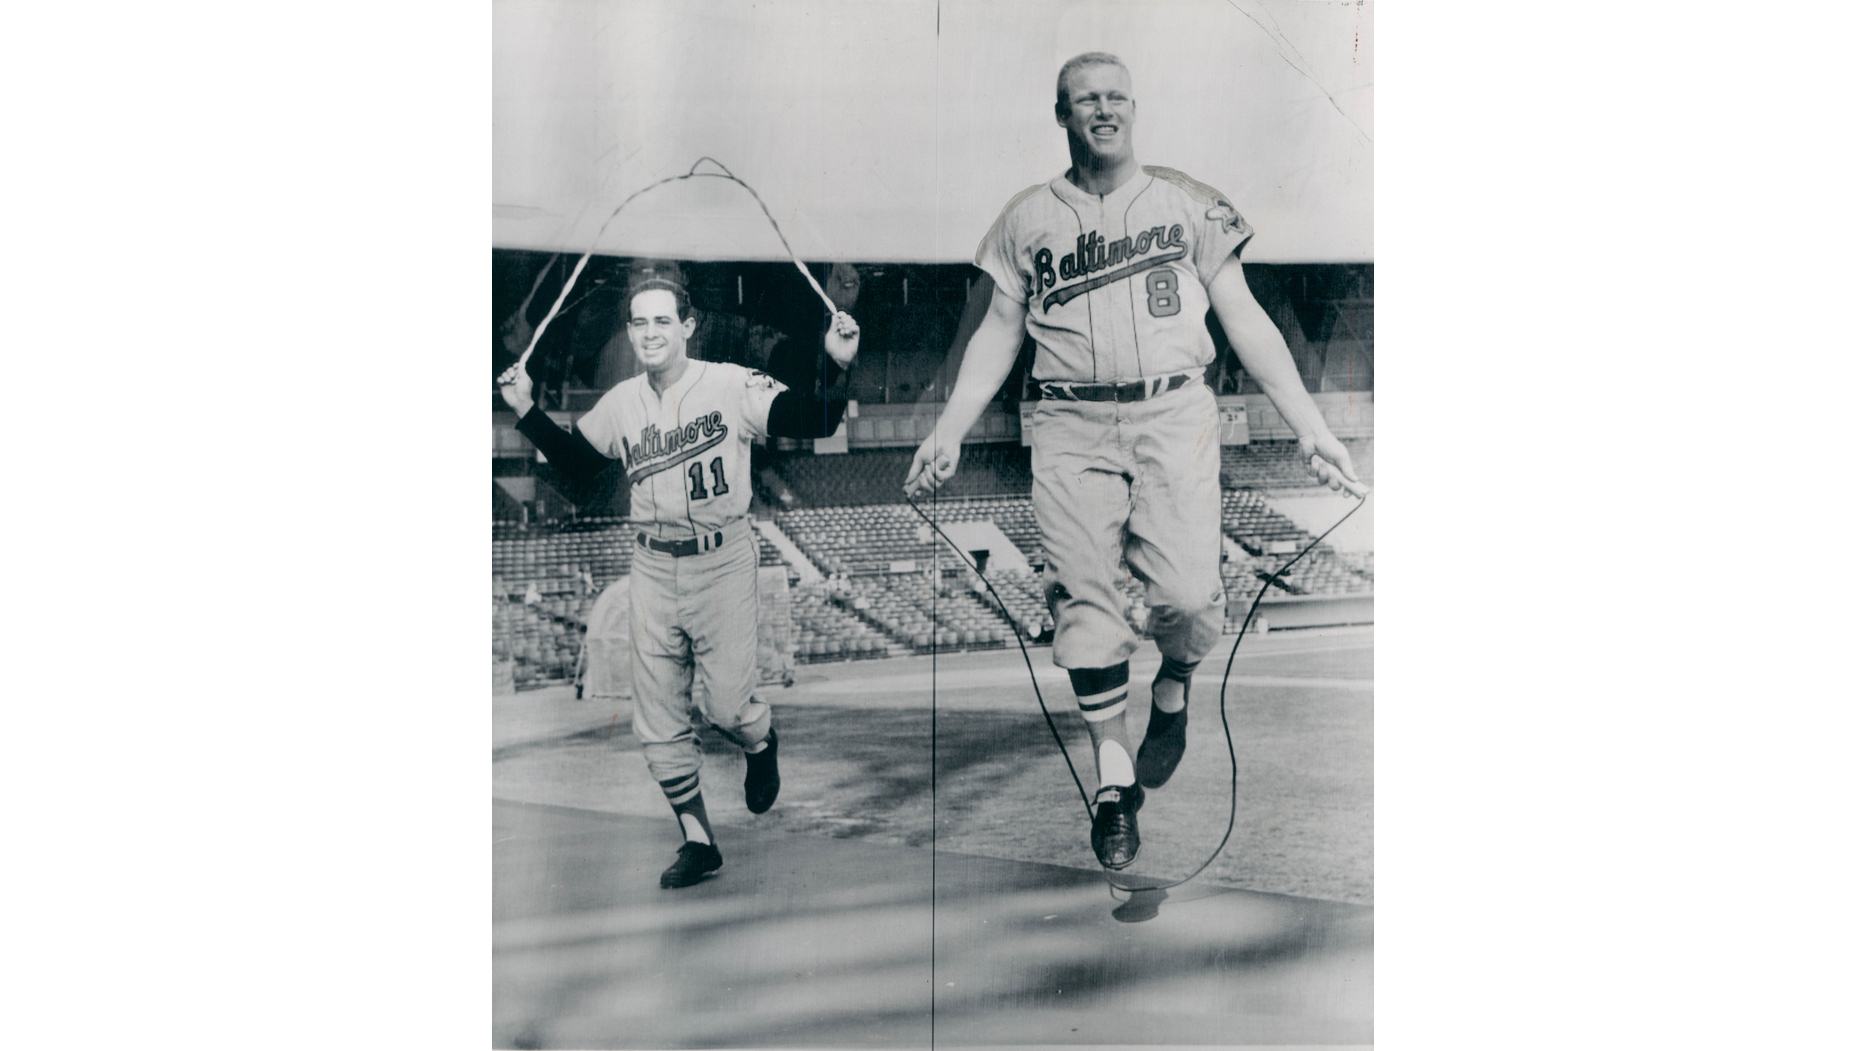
<point x="866" y="578"/>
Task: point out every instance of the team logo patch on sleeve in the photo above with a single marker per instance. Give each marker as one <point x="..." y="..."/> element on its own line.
<point x="1227" y="217"/>
<point x="755" y="380"/>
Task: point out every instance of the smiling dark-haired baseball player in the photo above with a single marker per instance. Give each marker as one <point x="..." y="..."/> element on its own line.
<point x="684" y="430"/>
<point x="1110" y="267"/>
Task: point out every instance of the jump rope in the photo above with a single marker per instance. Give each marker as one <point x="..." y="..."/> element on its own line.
<point x="1230" y="747"/>
<point x="510" y="376"/>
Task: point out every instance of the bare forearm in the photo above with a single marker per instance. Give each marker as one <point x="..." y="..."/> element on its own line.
<point x="977" y="308"/>
<point x="1262" y="351"/>
<point x="1269" y="363"/>
<point x="989" y="358"/>
<point x="979" y="379"/>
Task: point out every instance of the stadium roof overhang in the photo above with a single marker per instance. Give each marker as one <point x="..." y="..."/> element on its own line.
<point x="894" y="132"/>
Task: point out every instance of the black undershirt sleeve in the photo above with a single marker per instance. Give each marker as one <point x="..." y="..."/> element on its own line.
<point x="568" y="451"/>
<point x="797" y="414"/>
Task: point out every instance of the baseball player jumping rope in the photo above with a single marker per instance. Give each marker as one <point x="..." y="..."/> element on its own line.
<point x="684" y="431"/>
<point x="1110" y="267"/>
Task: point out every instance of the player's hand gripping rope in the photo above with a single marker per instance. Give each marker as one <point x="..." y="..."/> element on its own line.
<point x="1360" y="491"/>
<point x="843" y="324"/>
<point x="1331" y="465"/>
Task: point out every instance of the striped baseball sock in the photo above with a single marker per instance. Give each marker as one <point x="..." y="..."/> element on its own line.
<point x="683" y="794"/>
<point x="1101" y="695"/>
<point x="1173" y="684"/>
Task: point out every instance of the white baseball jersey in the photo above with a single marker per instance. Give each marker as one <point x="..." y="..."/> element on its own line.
<point x="1115" y="284"/>
<point x="687" y="451"/>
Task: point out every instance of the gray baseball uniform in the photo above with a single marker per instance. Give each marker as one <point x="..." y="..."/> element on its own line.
<point x="1125" y="444"/>
<point x="693" y="585"/>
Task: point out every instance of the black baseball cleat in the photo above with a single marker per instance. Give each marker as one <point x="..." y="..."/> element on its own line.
<point x="1159" y="753"/>
<point x="1115" y="835"/>
<point x="761" y="776"/>
<point x="696" y="862"/>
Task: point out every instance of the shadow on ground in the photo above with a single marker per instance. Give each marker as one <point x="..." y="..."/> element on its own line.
<point x="1304" y="821"/>
<point x="801" y="943"/>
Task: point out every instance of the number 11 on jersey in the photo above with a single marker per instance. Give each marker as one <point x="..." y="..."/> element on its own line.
<point x="698" y="477"/>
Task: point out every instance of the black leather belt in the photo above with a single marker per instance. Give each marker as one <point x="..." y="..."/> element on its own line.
<point x="1134" y="390"/>
<point x="678" y="548"/>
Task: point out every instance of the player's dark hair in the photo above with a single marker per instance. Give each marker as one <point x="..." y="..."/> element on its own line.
<point x="682" y="303"/>
<point x="1086" y="58"/>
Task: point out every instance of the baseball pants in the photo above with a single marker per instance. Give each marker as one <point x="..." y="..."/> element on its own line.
<point x="1138" y="479"/>
<point x="695" y="644"/>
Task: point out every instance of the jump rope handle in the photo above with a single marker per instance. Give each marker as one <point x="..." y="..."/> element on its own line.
<point x="1331" y="474"/>
<point x="510" y="376"/>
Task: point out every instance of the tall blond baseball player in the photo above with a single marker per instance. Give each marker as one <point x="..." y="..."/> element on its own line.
<point x="1110" y="267"/>
<point x="684" y="431"/>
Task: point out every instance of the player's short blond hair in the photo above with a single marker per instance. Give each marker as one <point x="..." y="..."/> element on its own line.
<point x="1086" y="58"/>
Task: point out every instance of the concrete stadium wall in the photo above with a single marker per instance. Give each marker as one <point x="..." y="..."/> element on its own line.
<point x="1350" y="414"/>
<point x="1309" y="611"/>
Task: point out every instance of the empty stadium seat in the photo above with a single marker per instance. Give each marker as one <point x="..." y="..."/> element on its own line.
<point x="875" y="476"/>
<point x="1279" y="464"/>
<point x="874" y="611"/>
<point x="828" y="629"/>
<point x="552" y="557"/>
<point x="871" y="538"/>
